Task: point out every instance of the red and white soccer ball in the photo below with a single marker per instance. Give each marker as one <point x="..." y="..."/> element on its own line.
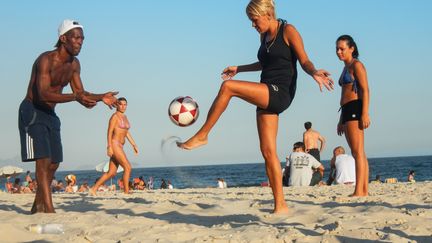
<point x="183" y="111"/>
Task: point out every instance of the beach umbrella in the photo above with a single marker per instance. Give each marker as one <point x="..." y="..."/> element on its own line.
<point x="104" y="166"/>
<point x="10" y="170"/>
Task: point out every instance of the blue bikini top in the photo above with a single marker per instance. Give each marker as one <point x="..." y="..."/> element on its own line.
<point x="347" y="79"/>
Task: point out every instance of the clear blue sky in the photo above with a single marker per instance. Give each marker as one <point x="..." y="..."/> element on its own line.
<point x="153" y="51"/>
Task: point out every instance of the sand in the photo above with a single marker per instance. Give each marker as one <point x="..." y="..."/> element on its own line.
<point x="398" y="212"/>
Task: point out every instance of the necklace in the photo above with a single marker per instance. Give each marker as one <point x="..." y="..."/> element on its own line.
<point x="274" y="39"/>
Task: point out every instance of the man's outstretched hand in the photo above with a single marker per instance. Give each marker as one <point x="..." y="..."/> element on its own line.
<point x="110" y="100"/>
<point x="85" y="100"/>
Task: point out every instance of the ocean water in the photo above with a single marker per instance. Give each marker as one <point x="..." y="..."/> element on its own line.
<point x="252" y="174"/>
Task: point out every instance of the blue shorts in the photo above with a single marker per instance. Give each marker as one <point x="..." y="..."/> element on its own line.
<point x="39" y="133"/>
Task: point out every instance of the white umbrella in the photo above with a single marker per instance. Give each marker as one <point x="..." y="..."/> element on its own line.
<point x="104" y="166"/>
<point x="10" y="170"/>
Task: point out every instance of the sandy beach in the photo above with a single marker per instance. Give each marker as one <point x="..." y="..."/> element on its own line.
<point x="398" y="212"/>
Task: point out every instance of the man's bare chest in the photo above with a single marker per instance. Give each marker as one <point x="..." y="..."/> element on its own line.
<point x="61" y="75"/>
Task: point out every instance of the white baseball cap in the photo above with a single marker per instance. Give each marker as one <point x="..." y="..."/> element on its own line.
<point x="67" y="25"/>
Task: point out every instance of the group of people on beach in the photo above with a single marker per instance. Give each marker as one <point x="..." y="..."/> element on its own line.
<point x="280" y="50"/>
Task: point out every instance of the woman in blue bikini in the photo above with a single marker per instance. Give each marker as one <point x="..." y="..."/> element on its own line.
<point x="118" y="131"/>
<point x="354" y="103"/>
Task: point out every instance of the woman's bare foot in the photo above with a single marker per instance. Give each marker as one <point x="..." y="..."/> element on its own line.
<point x="192" y="143"/>
<point x="281" y="210"/>
<point x="92" y="192"/>
<point x="359" y="194"/>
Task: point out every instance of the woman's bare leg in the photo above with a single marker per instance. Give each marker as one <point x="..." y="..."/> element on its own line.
<point x="267" y="130"/>
<point x="120" y="157"/>
<point x="112" y="171"/>
<point x="254" y="93"/>
<point x="355" y="139"/>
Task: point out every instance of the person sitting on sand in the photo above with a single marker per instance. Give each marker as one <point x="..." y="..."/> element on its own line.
<point x="16" y="187"/>
<point x="70" y="187"/>
<point x="59" y="187"/>
<point x="71" y="184"/>
<point x="84" y="187"/>
<point x="377" y="180"/>
<point x="8" y="185"/>
<point x="302" y="165"/>
<point x="170" y="186"/>
<point x="342" y="167"/>
<point x="411" y="176"/>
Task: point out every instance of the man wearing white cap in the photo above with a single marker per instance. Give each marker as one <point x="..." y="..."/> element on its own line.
<point x="38" y="123"/>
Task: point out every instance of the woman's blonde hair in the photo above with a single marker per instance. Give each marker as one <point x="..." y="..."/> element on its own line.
<point x="260" y="8"/>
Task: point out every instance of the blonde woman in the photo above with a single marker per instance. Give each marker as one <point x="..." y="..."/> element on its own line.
<point x="118" y="132"/>
<point x="281" y="47"/>
<point x="354" y="103"/>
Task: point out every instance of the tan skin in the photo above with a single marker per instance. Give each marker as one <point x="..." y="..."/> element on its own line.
<point x="258" y="94"/>
<point x="354" y="130"/>
<point x="51" y="72"/>
<point x="116" y="152"/>
<point x="311" y="138"/>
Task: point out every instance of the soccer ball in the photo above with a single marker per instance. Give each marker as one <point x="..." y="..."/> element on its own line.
<point x="183" y="111"/>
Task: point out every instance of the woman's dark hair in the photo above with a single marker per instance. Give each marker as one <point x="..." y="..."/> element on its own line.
<point x="122" y="98"/>
<point x="350" y="42"/>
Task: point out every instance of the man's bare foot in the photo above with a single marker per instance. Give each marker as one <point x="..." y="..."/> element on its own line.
<point x="92" y="192"/>
<point x="50" y="210"/>
<point x="37" y="208"/>
<point x="192" y="143"/>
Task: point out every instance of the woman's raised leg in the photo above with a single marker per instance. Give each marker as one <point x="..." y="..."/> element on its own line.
<point x="254" y="93"/>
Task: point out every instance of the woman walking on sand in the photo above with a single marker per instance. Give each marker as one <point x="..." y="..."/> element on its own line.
<point x="354" y="103"/>
<point x="118" y="131"/>
<point x="281" y="47"/>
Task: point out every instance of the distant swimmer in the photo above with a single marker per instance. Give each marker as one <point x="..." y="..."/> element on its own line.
<point x="281" y="47"/>
<point x="38" y="123"/>
<point x="311" y="139"/>
<point x="354" y="104"/>
<point x="118" y="132"/>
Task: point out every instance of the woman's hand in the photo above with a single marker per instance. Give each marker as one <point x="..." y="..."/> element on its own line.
<point x="322" y="77"/>
<point x="135" y="148"/>
<point x="110" y="152"/>
<point x="340" y="129"/>
<point x="365" y="121"/>
<point x="229" y="72"/>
